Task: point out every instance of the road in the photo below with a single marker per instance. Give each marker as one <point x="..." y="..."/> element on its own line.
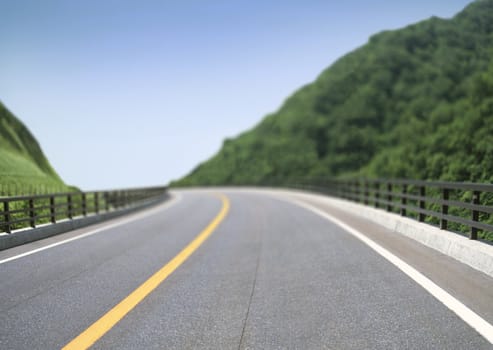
<point x="264" y="273"/>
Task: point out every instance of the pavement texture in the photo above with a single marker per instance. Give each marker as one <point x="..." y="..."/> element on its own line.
<point x="272" y="276"/>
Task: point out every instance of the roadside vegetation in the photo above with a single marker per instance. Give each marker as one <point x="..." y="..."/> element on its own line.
<point x="24" y="168"/>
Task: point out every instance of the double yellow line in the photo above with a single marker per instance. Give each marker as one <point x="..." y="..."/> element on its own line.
<point x="112" y="317"/>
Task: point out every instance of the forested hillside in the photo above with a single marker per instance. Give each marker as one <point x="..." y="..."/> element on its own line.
<point x="411" y="103"/>
<point x="23" y="166"/>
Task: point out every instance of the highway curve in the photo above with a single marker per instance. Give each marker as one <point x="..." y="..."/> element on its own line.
<point x="264" y="273"/>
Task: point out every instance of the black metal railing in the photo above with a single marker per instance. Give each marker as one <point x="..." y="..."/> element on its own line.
<point x="33" y="210"/>
<point x="461" y="207"/>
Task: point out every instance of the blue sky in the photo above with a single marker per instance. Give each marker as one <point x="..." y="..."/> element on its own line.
<point x="136" y="93"/>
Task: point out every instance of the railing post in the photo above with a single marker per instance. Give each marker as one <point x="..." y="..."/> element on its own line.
<point x="52" y="210"/>
<point x="422" y="204"/>
<point x="389" y="196"/>
<point x="357" y="192"/>
<point x="32" y="219"/>
<point x="377" y="194"/>
<point x="475" y="214"/>
<point x="84" y="204"/>
<point x="69" y="206"/>
<point x="443" y="221"/>
<point x="106" y="204"/>
<point x="96" y="202"/>
<point x="404" y="200"/>
<point x="6" y="215"/>
<point x="367" y="193"/>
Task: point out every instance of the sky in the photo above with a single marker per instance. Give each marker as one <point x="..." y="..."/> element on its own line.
<point x="138" y="92"/>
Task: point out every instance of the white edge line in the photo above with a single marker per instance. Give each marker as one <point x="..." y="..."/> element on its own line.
<point x="467" y="315"/>
<point x="174" y="200"/>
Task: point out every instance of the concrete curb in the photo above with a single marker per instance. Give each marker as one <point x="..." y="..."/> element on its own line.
<point x="30" y="235"/>
<point x="476" y="254"/>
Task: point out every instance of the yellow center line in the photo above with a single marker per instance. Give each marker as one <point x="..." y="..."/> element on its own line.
<point x="112" y="317"/>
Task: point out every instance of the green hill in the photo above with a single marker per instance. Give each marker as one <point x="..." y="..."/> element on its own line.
<point x="23" y="166"/>
<point x="411" y="103"/>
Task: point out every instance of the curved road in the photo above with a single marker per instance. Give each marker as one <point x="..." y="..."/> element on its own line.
<point x="264" y="273"/>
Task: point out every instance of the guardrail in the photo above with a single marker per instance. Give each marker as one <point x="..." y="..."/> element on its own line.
<point x="450" y="205"/>
<point x="31" y="211"/>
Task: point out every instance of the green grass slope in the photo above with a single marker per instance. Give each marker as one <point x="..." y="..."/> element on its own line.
<point x="411" y="103"/>
<point x="23" y="166"/>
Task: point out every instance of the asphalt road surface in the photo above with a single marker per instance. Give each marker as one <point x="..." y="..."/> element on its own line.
<point x="264" y="273"/>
